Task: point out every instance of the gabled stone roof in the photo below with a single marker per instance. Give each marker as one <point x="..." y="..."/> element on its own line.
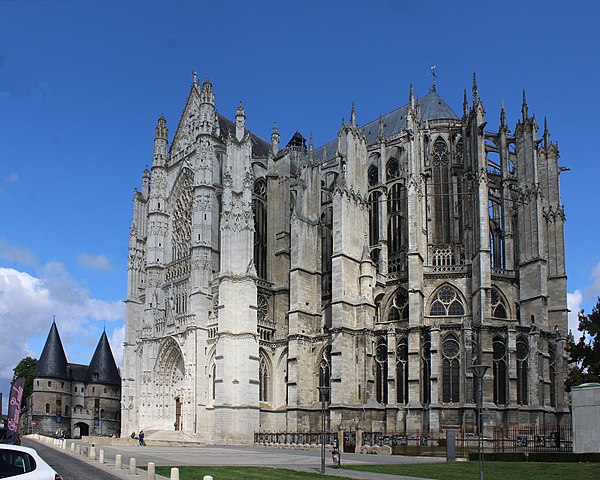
<point x="53" y="361"/>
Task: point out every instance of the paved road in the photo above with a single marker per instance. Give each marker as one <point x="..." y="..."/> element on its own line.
<point x="68" y="466"/>
<point x="303" y="460"/>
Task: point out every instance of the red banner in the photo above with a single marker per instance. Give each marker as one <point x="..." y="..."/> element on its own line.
<point x="14" y="408"/>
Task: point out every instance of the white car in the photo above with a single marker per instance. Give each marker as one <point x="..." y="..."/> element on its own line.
<point x="24" y="463"/>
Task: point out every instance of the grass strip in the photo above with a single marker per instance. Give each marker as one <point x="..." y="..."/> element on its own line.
<point x="245" y="473"/>
<point x="492" y="470"/>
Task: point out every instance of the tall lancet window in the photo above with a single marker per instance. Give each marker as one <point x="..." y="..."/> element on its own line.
<point x="451" y="370"/>
<point x="552" y="373"/>
<point x="499" y="370"/>
<point x="426" y="368"/>
<point x="259" y="205"/>
<point x="497" y="256"/>
<point x="442" y="200"/>
<point x="264" y="391"/>
<point x="397" y="228"/>
<point x="326" y="249"/>
<point x="522" y="371"/>
<point x="402" y="371"/>
<point x="325" y="374"/>
<point x="381" y="371"/>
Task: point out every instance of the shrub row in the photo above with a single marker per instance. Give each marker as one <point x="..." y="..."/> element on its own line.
<point x="538" y="457"/>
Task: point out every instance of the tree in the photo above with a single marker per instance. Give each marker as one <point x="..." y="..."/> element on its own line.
<point x="26" y="368"/>
<point x="585" y="354"/>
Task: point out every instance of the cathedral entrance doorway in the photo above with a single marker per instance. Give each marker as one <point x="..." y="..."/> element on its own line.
<point x="177" y="414"/>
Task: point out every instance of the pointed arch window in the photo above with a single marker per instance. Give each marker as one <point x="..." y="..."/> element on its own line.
<point x="381" y="371"/>
<point x="47" y="408"/>
<point x="325" y="374"/>
<point x="451" y="370"/>
<point x="397" y="227"/>
<point x="497" y="305"/>
<point x="392" y="169"/>
<point x="326" y="249"/>
<point x="399" y="308"/>
<point x="426" y="367"/>
<point x="402" y="371"/>
<point x="214" y="381"/>
<point x="522" y="371"/>
<point x="441" y="193"/>
<point x="374" y="198"/>
<point x="497" y="254"/>
<point x="259" y="205"/>
<point x="373" y="175"/>
<point x="552" y="374"/>
<point x="264" y="373"/>
<point x="447" y="303"/>
<point x="499" y="370"/>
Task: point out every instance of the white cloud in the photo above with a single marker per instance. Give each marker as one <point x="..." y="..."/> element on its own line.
<point x="16" y="254"/>
<point x="28" y="303"/>
<point x="574" y="305"/>
<point x="94" y="262"/>
<point x="116" y="343"/>
<point x="583" y="298"/>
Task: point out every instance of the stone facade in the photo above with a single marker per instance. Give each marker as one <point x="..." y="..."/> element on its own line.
<point x="75" y="399"/>
<point x="381" y="266"/>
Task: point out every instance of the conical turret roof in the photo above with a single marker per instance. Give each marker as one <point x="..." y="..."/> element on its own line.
<point x="103" y="368"/>
<point x="53" y="361"/>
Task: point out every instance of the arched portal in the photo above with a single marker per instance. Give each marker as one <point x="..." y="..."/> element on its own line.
<point x="171" y="386"/>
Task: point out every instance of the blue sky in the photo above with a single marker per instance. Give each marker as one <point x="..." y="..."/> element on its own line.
<point x="82" y="84"/>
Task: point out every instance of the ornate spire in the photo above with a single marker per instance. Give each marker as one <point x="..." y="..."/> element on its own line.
<point x="324" y="154"/>
<point x="380" y="134"/>
<point x="546" y="134"/>
<point x="275" y="139"/>
<point x="475" y="90"/>
<point x="311" y="148"/>
<point x="502" y="115"/>
<point x="411" y="96"/>
<point x="434" y="76"/>
<point x="195" y="77"/>
<point x="465" y="105"/>
<point x="240" y="122"/>
<point x="524" y="108"/>
<point x="353" y="116"/>
<point x="161" y="127"/>
<point x="206" y="93"/>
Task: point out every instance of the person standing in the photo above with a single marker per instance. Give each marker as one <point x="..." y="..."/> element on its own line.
<point x="141" y="438"/>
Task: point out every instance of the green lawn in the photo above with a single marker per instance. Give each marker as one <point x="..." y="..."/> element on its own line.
<point x="241" y="473"/>
<point x="492" y="470"/>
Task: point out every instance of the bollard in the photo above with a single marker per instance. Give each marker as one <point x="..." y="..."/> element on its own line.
<point x="151" y="471"/>
<point x="78" y="449"/>
<point x="101" y="455"/>
<point x="174" y="473"/>
<point x="118" y="462"/>
<point x="92" y="454"/>
<point x="73" y="447"/>
<point x="207" y="477"/>
<point x="132" y="466"/>
<point x="64" y="444"/>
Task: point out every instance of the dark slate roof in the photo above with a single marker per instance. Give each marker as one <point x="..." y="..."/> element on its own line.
<point x="432" y="107"/>
<point x="78" y="372"/>
<point x="103" y="364"/>
<point x="53" y="361"/>
<point x="260" y="147"/>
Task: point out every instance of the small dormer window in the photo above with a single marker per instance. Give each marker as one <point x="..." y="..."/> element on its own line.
<point x="49" y="383"/>
<point x="95" y="377"/>
<point x="62" y="384"/>
<point x="93" y="389"/>
<point x="105" y="390"/>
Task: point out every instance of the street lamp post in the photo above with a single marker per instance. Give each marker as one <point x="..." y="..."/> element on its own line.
<point x="324" y="391"/>
<point x="479" y="372"/>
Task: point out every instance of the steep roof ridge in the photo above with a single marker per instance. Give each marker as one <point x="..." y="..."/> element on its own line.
<point x="53" y="361"/>
<point x="432" y="107"/>
<point x="103" y="369"/>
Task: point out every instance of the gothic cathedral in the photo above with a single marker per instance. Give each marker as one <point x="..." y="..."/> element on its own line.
<point x="374" y="271"/>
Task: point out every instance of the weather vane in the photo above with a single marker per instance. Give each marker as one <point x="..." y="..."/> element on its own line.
<point x="434" y="77"/>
